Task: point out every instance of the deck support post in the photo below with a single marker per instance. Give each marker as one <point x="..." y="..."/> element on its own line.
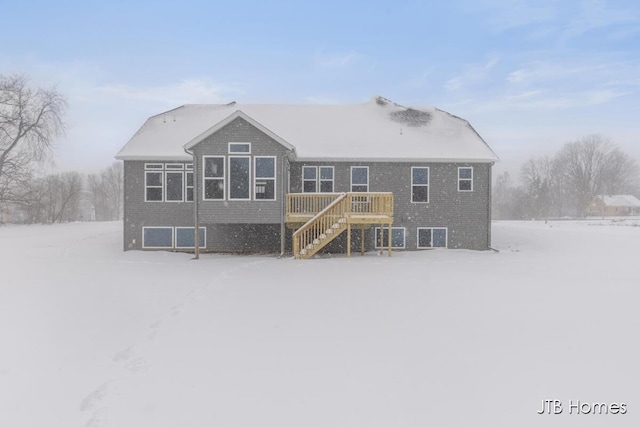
<point x="348" y="239"/>
<point x="382" y="239"/>
<point x="389" y="239"/>
<point x="362" y="242"/>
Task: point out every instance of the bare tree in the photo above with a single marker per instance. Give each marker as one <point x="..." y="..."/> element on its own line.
<point x="509" y="201"/>
<point x="539" y="183"/>
<point x="592" y="166"/>
<point x="54" y="198"/>
<point x="30" y="119"/>
<point x="106" y="192"/>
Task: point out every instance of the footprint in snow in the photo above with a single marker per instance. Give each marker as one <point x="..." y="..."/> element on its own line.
<point x="94" y="398"/>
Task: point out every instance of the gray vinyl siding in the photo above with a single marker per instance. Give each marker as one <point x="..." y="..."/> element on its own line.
<point x="241" y="211"/>
<point x="139" y="214"/>
<point x="465" y="214"/>
<point x="254" y="225"/>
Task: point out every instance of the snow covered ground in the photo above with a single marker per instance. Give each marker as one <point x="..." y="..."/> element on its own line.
<point x="93" y="336"/>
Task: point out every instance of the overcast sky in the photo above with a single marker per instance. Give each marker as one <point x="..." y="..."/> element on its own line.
<point x="528" y="75"/>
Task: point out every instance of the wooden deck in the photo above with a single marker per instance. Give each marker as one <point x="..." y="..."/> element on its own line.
<point x="320" y="217"/>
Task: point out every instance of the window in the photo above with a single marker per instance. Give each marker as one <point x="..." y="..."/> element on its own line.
<point x="168" y="182"/>
<point x="360" y="179"/>
<point x="213" y="177"/>
<point x="326" y="179"/>
<point x="309" y="179"/>
<point x="265" y="178"/>
<point x="317" y="179"/>
<point x="239" y="178"/>
<point x="432" y="237"/>
<point x="465" y="179"/>
<point x="153" y="186"/>
<point x="240" y="147"/>
<point x="157" y="237"/>
<point x="185" y="237"/>
<point x="189" y="186"/>
<point x="419" y="185"/>
<point x="397" y="237"/>
<point x="174" y="186"/>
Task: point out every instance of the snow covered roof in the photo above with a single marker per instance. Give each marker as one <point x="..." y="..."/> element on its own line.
<point x="621" y="200"/>
<point x="376" y="131"/>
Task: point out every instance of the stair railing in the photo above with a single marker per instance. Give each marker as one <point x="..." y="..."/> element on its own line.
<point x="309" y="235"/>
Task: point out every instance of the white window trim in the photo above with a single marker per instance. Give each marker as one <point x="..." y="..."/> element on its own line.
<point x="421" y="185"/>
<point x="161" y="186"/>
<point x="173" y="239"/>
<point x="174" y="166"/>
<point x="377" y="235"/>
<point x="203" y="244"/>
<point x="446" y="238"/>
<point x="154" y="166"/>
<point x="309" y="180"/>
<point x="351" y="176"/>
<point x="333" y="177"/>
<point x="223" y="178"/>
<point x="186" y="186"/>
<point x="465" y="179"/>
<point x="255" y="178"/>
<point x="249" y="178"/>
<point x="238" y="152"/>
<point x="177" y="172"/>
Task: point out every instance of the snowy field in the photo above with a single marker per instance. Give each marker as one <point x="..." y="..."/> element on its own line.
<point x="93" y="336"/>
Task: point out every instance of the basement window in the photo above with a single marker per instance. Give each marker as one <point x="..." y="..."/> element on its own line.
<point x="157" y="237"/>
<point x="185" y="237"/>
<point x="397" y="237"/>
<point x="432" y="237"/>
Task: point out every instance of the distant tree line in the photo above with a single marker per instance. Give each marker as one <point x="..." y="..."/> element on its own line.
<point x="30" y="120"/>
<point x="565" y="184"/>
<point x="68" y="196"/>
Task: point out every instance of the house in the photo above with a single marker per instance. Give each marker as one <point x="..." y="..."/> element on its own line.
<point x="304" y="178"/>
<point x="618" y="205"/>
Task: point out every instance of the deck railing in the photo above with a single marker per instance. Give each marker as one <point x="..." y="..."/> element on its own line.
<point x="325" y="215"/>
<point x="307" y="205"/>
<point x="301" y="205"/>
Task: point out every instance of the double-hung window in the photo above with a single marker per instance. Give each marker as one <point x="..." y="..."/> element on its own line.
<point x="265" y="178"/>
<point x="317" y="179"/>
<point x="419" y="184"/>
<point x="359" y="179"/>
<point x="309" y="179"/>
<point x="465" y="178"/>
<point x="213" y="178"/>
<point x="174" y="182"/>
<point x="188" y="177"/>
<point x="153" y="182"/>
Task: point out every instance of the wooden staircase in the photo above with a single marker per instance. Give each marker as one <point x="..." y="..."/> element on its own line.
<point x="329" y="215"/>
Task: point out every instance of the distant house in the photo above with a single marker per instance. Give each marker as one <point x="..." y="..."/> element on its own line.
<point x="618" y="205"/>
<point x="305" y="178"/>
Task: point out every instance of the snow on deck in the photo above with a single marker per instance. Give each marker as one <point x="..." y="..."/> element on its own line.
<point x="376" y="130"/>
<point x="93" y="336"/>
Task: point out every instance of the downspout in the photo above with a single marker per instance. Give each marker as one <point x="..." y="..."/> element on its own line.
<point x="284" y="189"/>
<point x="196" y="218"/>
